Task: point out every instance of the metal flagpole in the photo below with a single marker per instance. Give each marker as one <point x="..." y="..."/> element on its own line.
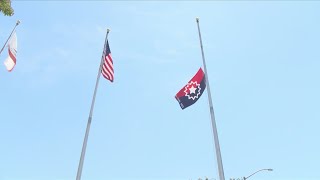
<point x="213" y="122"/>
<point x="18" y="22"/>
<point x="84" y="146"/>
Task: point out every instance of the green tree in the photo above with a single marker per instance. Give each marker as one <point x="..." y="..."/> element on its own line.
<point x="5" y="7"/>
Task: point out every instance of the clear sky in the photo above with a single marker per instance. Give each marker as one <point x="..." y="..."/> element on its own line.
<point x="263" y="67"/>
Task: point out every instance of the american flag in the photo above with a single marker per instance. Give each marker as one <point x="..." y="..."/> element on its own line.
<point x="107" y="67"/>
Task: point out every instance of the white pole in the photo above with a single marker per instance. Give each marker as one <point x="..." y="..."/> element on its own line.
<point x="84" y="146"/>
<point x="214" y="127"/>
<point x="18" y="22"/>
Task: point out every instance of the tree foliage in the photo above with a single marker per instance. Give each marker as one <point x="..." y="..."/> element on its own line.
<point x="5" y="7"/>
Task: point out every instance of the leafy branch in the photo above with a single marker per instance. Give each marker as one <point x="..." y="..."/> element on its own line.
<point x="5" y="7"/>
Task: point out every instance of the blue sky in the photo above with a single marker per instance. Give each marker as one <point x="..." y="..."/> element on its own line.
<point x="263" y="66"/>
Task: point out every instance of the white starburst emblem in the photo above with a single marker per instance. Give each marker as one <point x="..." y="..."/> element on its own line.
<point x="192" y="90"/>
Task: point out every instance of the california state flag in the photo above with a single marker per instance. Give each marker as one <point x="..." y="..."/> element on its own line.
<point x="10" y="62"/>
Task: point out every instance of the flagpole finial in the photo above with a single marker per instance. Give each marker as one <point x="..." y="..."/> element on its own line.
<point x="197" y="19"/>
<point x="18" y="22"/>
<point x="108" y="30"/>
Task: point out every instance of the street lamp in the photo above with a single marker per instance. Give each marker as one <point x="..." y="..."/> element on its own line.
<point x="244" y="178"/>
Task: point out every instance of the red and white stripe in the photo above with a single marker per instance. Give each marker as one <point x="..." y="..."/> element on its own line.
<point x="10" y="62"/>
<point x="107" y="67"/>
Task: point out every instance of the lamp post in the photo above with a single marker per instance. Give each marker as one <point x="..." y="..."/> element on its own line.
<point x="245" y="178"/>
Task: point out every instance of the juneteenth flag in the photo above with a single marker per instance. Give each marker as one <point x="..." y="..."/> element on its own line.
<point x="10" y="62"/>
<point x="191" y="92"/>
